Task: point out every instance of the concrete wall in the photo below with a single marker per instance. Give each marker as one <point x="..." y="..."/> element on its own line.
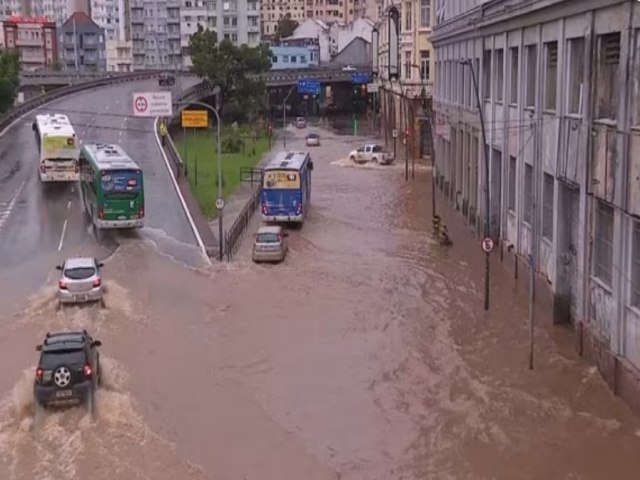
<point x="586" y="143"/>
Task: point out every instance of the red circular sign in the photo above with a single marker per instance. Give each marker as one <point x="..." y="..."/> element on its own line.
<point x="140" y="104"/>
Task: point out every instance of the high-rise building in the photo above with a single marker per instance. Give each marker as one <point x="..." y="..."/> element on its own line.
<point x="155" y="34"/>
<point x="234" y="20"/>
<point x="108" y="14"/>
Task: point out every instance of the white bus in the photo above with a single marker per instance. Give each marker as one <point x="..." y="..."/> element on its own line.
<point x="58" y="147"/>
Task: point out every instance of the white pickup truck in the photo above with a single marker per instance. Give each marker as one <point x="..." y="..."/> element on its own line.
<point x="371" y="153"/>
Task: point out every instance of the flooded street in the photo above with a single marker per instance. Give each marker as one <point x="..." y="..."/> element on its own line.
<point x="366" y="355"/>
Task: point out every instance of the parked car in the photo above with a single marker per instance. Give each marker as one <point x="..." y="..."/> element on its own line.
<point x="313" y="140"/>
<point x="166" y="79"/>
<point x="270" y="244"/>
<point x="80" y="281"/>
<point x="68" y="370"/>
<point x="371" y="153"/>
<point x="301" y="122"/>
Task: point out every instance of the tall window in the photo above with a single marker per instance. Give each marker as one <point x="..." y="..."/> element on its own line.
<point x="499" y="74"/>
<point x="531" y="52"/>
<point x="528" y="193"/>
<point x="550" y="75"/>
<point x="408" y="17"/>
<point x="512" y="184"/>
<point x="425" y="65"/>
<point x="425" y="13"/>
<point x="575" y="88"/>
<point x="635" y="110"/>
<point x="603" y="242"/>
<point x="486" y="70"/>
<point x="547" y="206"/>
<point x="407" y="65"/>
<point x="514" y="86"/>
<point x="635" y="265"/>
<point x="606" y="75"/>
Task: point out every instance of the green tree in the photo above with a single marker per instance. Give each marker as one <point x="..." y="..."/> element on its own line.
<point x="229" y="68"/>
<point x="286" y="27"/>
<point x="9" y="79"/>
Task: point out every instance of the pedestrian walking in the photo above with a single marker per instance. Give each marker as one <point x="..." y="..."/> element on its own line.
<point x="163" y="132"/>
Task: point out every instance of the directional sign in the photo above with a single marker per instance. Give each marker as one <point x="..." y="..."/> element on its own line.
<point x="152" y="104"/>
<point x="487" y="245"/>
<point x="311" y="87"/>
<point x="360" y="78"/>
<point x="195" y="119"/>
<point x="220" y="203"/>
<point x="394" y="133"/>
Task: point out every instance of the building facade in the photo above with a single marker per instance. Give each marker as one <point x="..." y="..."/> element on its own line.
<point x="109" y="15"/>
<point x="234" y="20"/>
<point x="291" y="57"/>
<point x="155" y="34"/>
<point x="273" y="10"/>
<point x="119" y="56"/>
<point x="402" y="101"/>
<point x="34" y="38"/>
<point x="559" y="86"/>
<point x="81" y="44"/>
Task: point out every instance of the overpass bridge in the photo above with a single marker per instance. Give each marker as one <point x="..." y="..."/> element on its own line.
<point x="330" y="74"/>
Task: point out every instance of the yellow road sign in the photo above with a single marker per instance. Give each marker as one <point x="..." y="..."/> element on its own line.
<point x="195" y="119"/>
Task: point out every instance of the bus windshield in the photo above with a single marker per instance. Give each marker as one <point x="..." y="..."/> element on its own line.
<point x="281" y="179"/>
<point x="121" y="183"/>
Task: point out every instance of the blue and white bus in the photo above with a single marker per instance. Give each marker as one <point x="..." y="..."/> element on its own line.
<point x="286" y="187"/>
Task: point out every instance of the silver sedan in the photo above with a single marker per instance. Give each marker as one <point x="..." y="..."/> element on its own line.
<point x="80" y="281"/>
<point x="313" y="140"/>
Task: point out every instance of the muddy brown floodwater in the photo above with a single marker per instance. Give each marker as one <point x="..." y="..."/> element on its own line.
<point x="364" y="356"/>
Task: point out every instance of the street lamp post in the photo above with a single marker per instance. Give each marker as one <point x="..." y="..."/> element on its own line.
<point x="220" y="199"/>
<point x="487" y="227"/>
<point x="284" y="117"/>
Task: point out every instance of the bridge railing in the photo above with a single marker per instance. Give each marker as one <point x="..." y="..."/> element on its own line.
<point x="15" y="113"/>
<point x="330" y="72"/>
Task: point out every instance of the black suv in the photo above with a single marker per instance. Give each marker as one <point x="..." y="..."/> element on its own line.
<point x="166" y="79"/>
<point x="68" y="371"/>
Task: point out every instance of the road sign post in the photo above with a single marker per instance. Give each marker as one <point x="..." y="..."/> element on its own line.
<point x="487" y="245"/>
<point x="220" y="203"/>
<point x="152" y="104"/>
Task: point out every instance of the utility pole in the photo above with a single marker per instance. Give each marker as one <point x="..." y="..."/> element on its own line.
<point x="487" y="221"/>
<point x="534" y="242"/>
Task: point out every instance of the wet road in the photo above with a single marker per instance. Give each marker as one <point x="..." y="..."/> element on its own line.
<point x="42" y="223"/>
<point x="365" y="355"/>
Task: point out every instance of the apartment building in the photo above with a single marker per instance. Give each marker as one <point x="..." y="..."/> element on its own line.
<point x="234" y="20"/>
<point x="34" y="38"/>
<point x="327" y="11"/>
<point x="559" y="86"/>
<point x="155" y="34"/>
<point x="109" y="15"/>
<point x="81" y="44"/>
<point x="273" y="10"/>
<point x="401" y="101"/>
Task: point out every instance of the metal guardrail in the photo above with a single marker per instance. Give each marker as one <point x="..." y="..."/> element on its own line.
<point x="250" y="175"/>
<point x="16" y="112"/>
<point x="233" y="236"/>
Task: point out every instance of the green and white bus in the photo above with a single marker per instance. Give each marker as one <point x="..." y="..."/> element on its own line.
<point x="111" y="186"/>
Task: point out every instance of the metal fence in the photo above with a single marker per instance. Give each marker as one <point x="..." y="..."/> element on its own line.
<point x="233" y="236"/>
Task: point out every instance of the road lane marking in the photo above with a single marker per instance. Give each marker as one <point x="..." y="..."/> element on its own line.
<point x="194" y="229"/>
<point x="64" y="229"/>
<point x="69" y="205"/>
<point x="6" y="208"/>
